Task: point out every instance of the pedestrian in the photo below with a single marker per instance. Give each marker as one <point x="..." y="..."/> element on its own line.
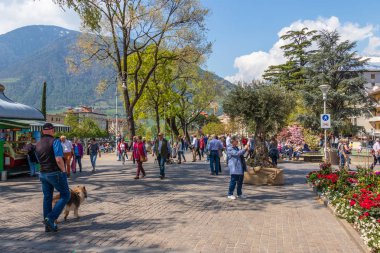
<point x="228" y="140"/>
<point x="251" y="142"/>
<point x="181" y="150"/>
<point x="52" y="176"/>
<point x="273" y="151"/>
<point x="344" y="152"/>
<point x="140" y="155"/>
<point x="202" y="145"/>
<point x="161" y="150"/>
<point x="376" y="153"/>
<point x="31" y="156"/>
<point x="196" y="148"/>
<point x="78" y="152"/>
<point x="122" y="149"/>
<point x="67" y="153"/>
<point x="236" y="168"/>
<point x="214" y="146"/>
<point x="94" y="151"/>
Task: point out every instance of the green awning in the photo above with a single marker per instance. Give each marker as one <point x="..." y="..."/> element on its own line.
<point x="33" y="125"/>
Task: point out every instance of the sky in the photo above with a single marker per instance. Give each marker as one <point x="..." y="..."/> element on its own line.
<point x="245" y="33"/>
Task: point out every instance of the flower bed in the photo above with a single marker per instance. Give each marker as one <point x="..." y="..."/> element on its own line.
<point x="355" y="197"/>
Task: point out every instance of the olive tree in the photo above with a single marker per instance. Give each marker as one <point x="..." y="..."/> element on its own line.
<point x="267" y="106"/>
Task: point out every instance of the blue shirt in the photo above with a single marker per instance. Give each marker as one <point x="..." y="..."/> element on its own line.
<point x="58" y="150"/>
<point x="214" y="144"/>
<point x="76" y="150"/>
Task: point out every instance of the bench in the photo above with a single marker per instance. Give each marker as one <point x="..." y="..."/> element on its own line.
<point x="312" y="157"/>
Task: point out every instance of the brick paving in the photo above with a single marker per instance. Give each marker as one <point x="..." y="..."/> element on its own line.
<point x="188" y="212"/>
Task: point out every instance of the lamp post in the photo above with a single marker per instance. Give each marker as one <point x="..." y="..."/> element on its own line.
<point x="325" y="89"/>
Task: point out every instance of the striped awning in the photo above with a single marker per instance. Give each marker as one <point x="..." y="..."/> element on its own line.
<point x="33" y="125"/>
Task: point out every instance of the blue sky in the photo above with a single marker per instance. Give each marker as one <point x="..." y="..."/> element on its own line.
<point x="240" y="27"/>
<point x="244" y="32"/>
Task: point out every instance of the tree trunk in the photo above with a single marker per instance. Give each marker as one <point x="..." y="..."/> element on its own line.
<point x="173" y="126"/>
<point x="157" y="120"/>
<point x="261" y="155"/>
<point x="131" y="125"/>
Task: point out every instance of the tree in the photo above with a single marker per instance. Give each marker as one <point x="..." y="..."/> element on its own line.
<point x="118" y="29"/>
<point x="43" y="100"/>
<point x="194" y="97"/>
<point x="214" y="128"/>
<point x="268" y="106"/>
<point x="292" y="74"/>
<point x="86" y="128"/>
<point x="336" y="64"/>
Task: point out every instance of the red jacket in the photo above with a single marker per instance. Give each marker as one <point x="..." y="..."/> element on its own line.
<point x="202" y="143"/>
<point x="138" y="149"/>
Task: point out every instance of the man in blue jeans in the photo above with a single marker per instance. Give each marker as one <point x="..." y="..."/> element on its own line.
<point x="162" y="150"/>
<point x="235" y="165"/>
<point x="213" y="147"/>
<point x="52" y="175"/>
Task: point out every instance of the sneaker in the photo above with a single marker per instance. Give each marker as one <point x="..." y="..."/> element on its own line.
<point x="231" y="197"/>
<point x="242" y="196"/>
<point x="137" y="177"/>
<point x="50" y="226"/>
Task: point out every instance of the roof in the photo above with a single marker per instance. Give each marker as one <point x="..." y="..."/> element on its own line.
<point x="33" y="125"/>
<point x="12" y="110"/>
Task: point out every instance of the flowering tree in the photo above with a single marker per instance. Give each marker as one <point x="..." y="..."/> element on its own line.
<point x="294" y="134"/>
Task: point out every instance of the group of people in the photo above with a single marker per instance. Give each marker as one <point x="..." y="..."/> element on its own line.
<point x="54" y="155"/>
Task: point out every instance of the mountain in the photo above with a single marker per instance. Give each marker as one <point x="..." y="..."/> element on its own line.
<point x="33" y="54"/>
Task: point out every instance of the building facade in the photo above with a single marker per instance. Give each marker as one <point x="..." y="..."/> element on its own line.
<point x="371" y="125"/>
<point x="82" y="112"/>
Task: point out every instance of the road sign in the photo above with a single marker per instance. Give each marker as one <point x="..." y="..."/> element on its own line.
<point x="325" y="121"/>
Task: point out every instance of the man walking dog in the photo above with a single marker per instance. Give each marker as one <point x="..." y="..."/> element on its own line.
<point x="52" y="175"/>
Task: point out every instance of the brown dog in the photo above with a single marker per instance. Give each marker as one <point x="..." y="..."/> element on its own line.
<point x="78" y="195"/>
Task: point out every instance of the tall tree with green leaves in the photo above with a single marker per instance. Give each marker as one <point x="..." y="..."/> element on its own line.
<point x="265" y="105"/>
<point x="118" y="29"/>
<point x="43" y="100"/>
<point x="292" y="74"/>
<point x="337" y="64"/>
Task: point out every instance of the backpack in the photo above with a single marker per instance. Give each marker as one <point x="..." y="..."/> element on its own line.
<point x="32" y="154"/>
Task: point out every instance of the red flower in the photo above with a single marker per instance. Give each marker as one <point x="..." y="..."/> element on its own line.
<point x="378" y="220"/>
<point x="366" y="214"/>
<point x="355" y="195"/>
<point x="352" y="202"/>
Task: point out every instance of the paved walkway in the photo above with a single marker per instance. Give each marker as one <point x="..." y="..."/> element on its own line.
<point x="188" y="212"/>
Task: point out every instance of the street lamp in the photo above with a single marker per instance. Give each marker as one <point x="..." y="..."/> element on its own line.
<point x="325" y="89"/>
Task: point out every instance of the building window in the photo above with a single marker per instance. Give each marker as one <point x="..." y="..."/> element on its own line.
<point x="373" y="76"/>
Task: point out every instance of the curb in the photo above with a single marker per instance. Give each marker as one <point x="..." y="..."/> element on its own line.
<point x="352" y="233"/>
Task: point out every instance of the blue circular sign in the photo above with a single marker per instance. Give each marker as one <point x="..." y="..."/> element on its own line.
<point x="325" y="117"/>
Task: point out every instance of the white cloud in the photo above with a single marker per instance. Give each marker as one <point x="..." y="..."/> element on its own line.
<point x="252" y="66"/>
<point x="18" y="13"/>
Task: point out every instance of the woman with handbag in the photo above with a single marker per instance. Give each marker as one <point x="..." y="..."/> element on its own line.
<point x="139" y="154"/>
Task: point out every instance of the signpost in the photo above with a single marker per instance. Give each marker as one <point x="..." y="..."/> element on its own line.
<point x="325" y="121"/>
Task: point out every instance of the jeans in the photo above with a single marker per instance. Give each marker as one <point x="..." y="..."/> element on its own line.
<point x="118" y="156"/>
<point x="78" y="158"/>
<point x="236" y="179"/>
<point x="202" y="152"/>
<point x="93" y="160"/>
<point x="180" y="156"/>
<point x="32" y="167"/>
<point x="50" y="181"/>
<point x="214" y="162"/>
<point x="342" y="160"/>
<point x="161" y="161"/>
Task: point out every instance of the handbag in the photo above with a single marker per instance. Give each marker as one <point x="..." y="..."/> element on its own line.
<point x="143" y="158"/>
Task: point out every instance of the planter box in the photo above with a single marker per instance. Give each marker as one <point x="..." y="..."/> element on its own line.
<point x="264" y="176"/>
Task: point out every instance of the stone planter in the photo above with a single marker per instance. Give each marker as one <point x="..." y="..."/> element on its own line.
<point x="264" y="176"/>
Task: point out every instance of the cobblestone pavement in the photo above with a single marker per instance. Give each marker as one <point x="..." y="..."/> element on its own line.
<point x="187" y="212"/>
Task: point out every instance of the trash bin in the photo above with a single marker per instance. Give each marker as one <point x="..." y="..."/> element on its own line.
<point x="333" y="157"/>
